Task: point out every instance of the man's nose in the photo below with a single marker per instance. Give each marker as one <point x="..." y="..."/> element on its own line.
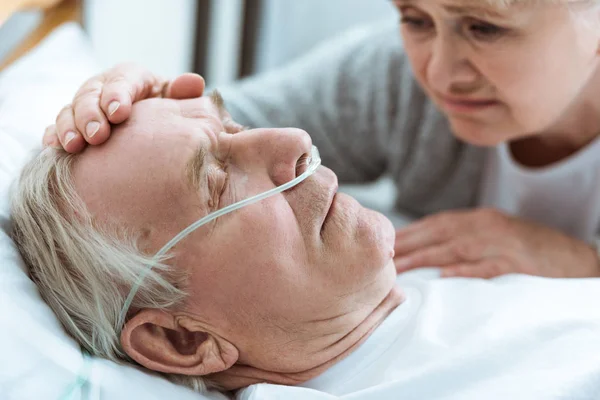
<point x="277" y="150"/>
<point x="448" y="69"/>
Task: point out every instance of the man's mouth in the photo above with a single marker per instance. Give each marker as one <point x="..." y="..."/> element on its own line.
<point x="329" y="209"/>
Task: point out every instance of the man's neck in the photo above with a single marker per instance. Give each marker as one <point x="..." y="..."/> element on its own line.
<point x="240" y="376"/>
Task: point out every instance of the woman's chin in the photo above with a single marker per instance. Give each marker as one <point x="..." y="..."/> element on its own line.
<point x="480" y="134"/>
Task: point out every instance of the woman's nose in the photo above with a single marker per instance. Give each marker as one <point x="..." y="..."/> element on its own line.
<point x="277" y="151"/>
<point x="448" y="68"/>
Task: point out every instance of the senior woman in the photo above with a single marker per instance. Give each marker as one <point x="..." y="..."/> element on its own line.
<point x="485" y="113"/>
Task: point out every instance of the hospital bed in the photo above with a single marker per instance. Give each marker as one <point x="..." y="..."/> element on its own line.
<point x="38" y="360"/>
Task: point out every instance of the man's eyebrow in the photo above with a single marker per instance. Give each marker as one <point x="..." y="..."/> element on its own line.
<point x="194" y="166"/>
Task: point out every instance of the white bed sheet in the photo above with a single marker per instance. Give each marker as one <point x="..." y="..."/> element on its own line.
<point x="515" y="337"/>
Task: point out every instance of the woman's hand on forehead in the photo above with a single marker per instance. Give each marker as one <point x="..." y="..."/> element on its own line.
<point x="107" y="99"/>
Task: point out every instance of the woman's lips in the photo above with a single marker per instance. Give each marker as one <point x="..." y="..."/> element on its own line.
<point x="466" y="105"/>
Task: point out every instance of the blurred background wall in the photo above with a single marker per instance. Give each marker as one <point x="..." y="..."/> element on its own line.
<point x="289" y="27"/>
<point x="156" y="33"/>
<point x="222" y="39"/>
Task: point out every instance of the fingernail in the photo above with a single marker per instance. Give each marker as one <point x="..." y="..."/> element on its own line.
<point x="69" y="136"/>
<point x="92" y="128"/>
<point x="113" y="107"/>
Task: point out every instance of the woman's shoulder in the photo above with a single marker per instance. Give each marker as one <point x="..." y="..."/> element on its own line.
<point x="371" y="60"/>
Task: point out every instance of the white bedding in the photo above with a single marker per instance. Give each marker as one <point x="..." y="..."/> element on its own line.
<point x="512" y="338"/>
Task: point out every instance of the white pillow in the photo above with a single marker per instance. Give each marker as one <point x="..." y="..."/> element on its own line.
<point x="39" y="361"/>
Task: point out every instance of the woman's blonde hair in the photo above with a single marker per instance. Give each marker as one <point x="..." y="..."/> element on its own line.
<point x="83" y="270"/>
<point x="507" y="3"/>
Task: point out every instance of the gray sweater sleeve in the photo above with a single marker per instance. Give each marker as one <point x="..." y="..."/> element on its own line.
<point x="345" y="94"/>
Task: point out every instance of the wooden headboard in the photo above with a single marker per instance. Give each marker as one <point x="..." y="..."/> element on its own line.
<point x="55" y="12"/>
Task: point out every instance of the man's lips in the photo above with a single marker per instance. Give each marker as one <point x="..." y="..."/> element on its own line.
<point x="328" y="210"/>
<point x="317" y="209"/>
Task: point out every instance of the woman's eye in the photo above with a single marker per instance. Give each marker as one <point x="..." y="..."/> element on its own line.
<point x="485" y="31"/>
<point x="416" y="23"/>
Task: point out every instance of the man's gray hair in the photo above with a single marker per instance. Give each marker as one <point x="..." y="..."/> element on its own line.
<point x="83" y="269"/>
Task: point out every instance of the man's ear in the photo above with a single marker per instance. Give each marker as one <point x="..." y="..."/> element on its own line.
<point x="162" y="342"/>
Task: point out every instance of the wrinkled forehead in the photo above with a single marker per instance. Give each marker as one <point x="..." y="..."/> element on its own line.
<point x="482" y="6"/>
<point x="138" y="176"/>
<point x="482" y="3"/>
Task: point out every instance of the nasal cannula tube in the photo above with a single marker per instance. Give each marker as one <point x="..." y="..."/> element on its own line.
<point x="313" y="163"/>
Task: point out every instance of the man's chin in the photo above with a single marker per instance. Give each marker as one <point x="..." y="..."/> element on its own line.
<point x="372" y="235"/>
<point x="380" y="231"/>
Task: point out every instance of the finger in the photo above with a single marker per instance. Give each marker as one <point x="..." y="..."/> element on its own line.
<point x="467" y="249"/>
<point x="89" y="118"/>
<point x="485" y="269"/>
<point x="424" y="235"/>
<point x="186" y="86"/>
<point x="433" y="230"/>
<point x="70" y="139"/>
<point x="406" y="244"/>
<point x="50" y="138"/>
<point x="457" y="217"/>
<point x="125" y="84"/>
<point x="400" y="267"/>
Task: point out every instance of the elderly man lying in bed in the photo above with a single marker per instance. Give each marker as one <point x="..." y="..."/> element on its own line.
<point x="297" y="289"/>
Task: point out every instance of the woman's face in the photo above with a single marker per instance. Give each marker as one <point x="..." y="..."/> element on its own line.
<point x="500" y="74"/>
